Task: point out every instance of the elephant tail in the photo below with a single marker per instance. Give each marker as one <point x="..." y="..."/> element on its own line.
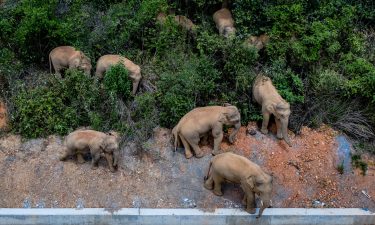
<point x="50" y="66"/>
<point x="176" y="137"/>
<point x="208" y="170"/>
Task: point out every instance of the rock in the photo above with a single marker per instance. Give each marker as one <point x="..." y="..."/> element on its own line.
<point x="318" y="204"/>
<point x="80" y="204"/>
<point x="188" y="203"/>
<point x="251" y="132"/>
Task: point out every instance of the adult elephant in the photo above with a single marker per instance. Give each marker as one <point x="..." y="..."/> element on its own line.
<point x="106" y="61"/>
<point x="272" y="103"/>
<point x="199" y="121"/>
<point x="229" y="167"/>
<point x="64" y="57"/>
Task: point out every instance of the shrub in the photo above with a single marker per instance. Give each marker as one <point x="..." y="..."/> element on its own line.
<point x="187" y="82"/>
<point x="288" y="83"/>
<point x="145" y="117"/>
<point x="62" y="105"/>
<point x="117" y="81"/>
<point x="58" y="107"/>
<point x="361" y="77"/>
<point x="327" y="82"/>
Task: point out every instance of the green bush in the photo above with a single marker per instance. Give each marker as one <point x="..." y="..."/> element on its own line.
<point x="57" y="107"/>
<point x="60" y="106"/>
<point x="288" y="83"/>
<point x="361" y="77"/>
<point x="117" y="81"/>
<point x="188" y="82"/>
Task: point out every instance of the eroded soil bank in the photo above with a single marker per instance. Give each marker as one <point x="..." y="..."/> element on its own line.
<point x="305" y="175"/>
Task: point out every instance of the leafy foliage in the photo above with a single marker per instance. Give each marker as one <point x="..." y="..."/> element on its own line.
<point x="116" y="81"/>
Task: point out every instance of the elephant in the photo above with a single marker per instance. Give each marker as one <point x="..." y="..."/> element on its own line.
<point x="106" y="61"/>
<point x="267" y="96"/>
<point x="181" y="21"/>
<point x="259" y="42"/>
<point x="232" y="168"/>
<point x="63" y="57"/>
<point x="224" y="22"/>
<point x="81" y="141"/>
<point x="199" y="121"/>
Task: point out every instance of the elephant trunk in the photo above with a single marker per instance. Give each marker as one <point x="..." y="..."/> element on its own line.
<point x="284" y="130"/>
<point x="263" y="205"/>
<point x="232" y="136"/>
<point x="116" y="155"/>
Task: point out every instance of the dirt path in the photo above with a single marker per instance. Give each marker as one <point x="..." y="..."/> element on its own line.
<point x="305" y="175"/>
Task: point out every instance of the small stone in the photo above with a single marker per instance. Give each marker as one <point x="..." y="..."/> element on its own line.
<point x="251" y="132"/>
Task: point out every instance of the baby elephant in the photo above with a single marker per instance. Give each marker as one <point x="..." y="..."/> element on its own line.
<point x="64" y="57"/>
<point x="106" y="61"/>
<point x="229" y="167"/>
<point x="224" y="22"/>
<point x="82" y="141"/>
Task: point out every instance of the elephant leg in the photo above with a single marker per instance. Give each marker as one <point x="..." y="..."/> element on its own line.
<point x="209" y="183"/>
<point x="217" y="185"/>
<point x="244" y="199"/>
<point x="217" y="133"/>
<point x="58" y="70"/>
<point x="95" y="160"/>
<point x="109" y="158"/>
<point x="193" y="141"/>
<point x="135" y="85"/>
<point x="80" y="158"/>
<point x="188" y="153"/>
<point x="279" y="134"/>
<point x="250" y="202"/>
<point x="266" y="118"/>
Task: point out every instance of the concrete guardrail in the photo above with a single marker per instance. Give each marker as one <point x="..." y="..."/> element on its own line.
<point x="140" y="216"/>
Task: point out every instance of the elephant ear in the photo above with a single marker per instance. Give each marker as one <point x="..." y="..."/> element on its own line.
<point x="271" y="108"/>
<point x="248" y="182"/>
<point x="282" y="106"/>
<point x="228" y="112"/>
<point x="76" y="61"/>
<point x="103" y="144"/>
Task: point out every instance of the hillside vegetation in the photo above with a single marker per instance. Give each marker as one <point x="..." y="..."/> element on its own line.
<point x="320" y="57"/>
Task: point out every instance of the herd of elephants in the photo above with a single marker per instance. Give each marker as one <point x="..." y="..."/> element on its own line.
<point x="196" y="124"/>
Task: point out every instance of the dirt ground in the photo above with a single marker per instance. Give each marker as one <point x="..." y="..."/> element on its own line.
<point x="305" y="175"/>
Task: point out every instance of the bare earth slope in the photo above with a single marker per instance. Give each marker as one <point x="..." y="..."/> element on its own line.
<point x="305" y="175"/>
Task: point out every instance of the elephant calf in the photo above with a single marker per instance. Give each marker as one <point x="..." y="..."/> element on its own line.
<point x="64" y="57"/>
<point x="272" y="103"/>
<point x="82" y="141"/>
<point x="199" y="121"/>
<point x="229" y="167"/>
<point x="224" y="22"/>
<point x="106" y="61"/>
